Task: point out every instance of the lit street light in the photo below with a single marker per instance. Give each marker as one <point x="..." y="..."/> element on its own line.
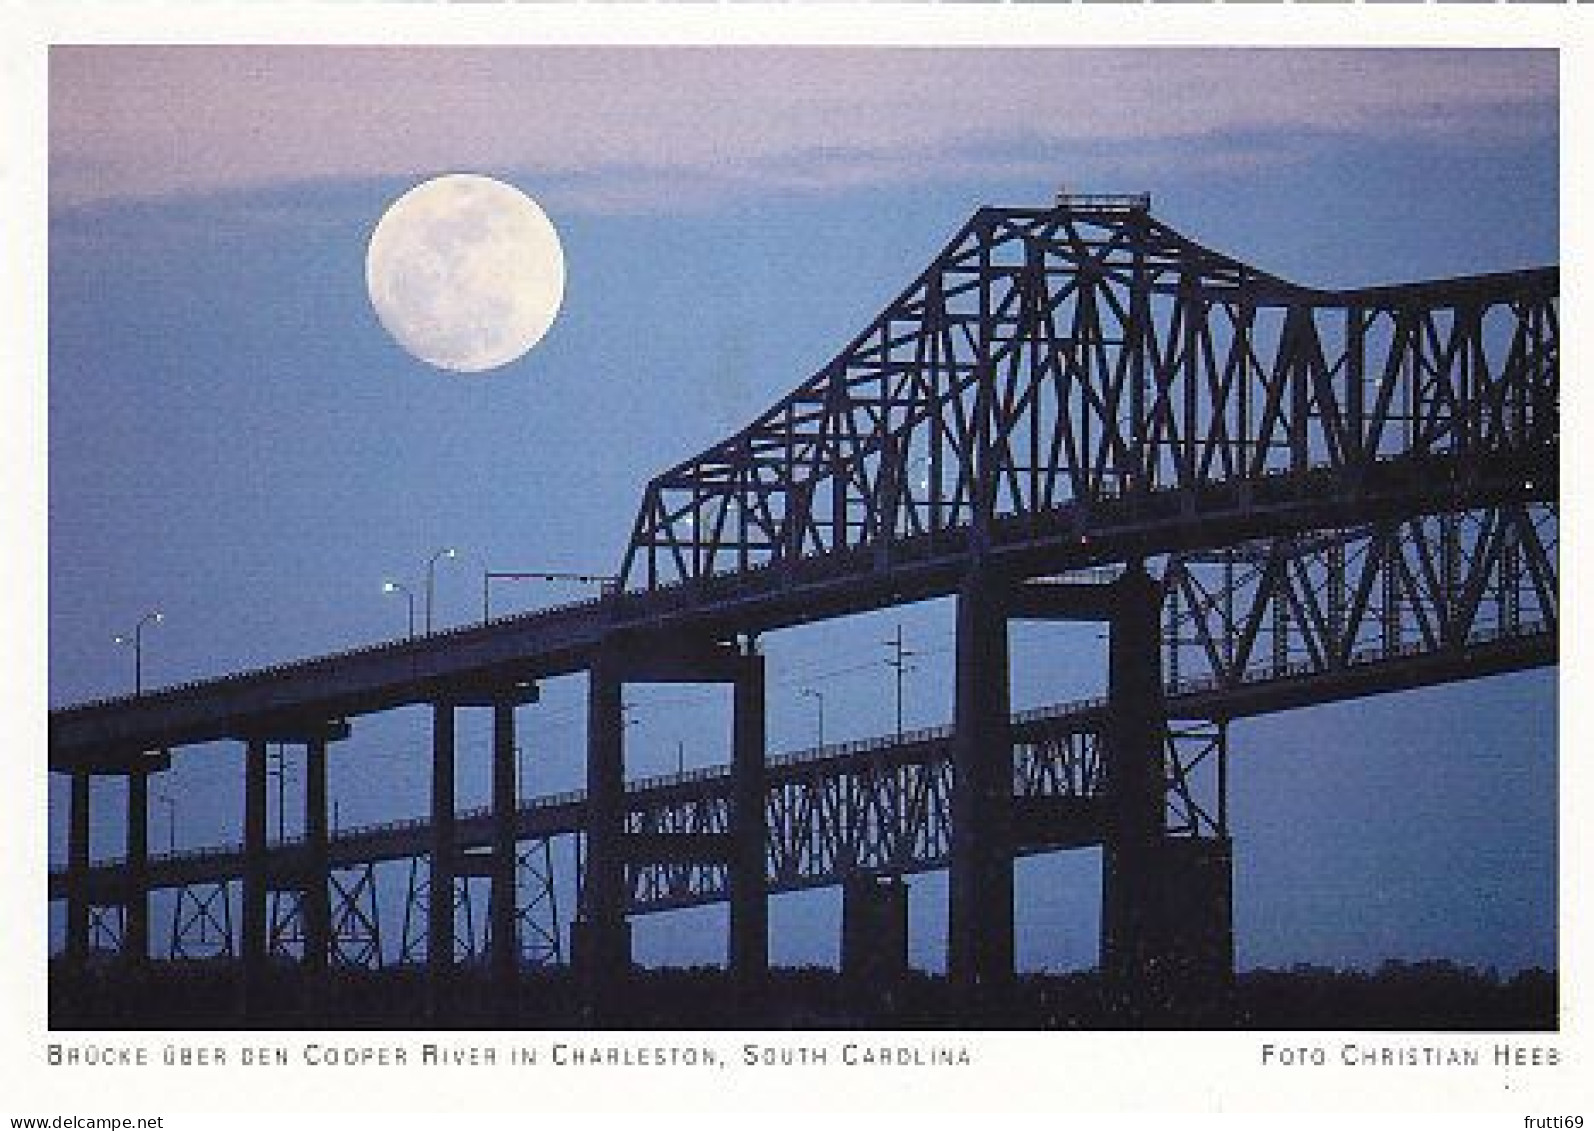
<point x="431" y="580"/>
<point x="136" y="639"/>
<point x="400" y="587"/>
<point x="819" y="698"/>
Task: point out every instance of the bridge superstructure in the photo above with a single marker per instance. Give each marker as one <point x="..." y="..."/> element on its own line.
<point x="1349" y="491"/>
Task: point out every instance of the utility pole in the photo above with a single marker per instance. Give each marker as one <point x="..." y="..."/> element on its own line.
<point x="899" y="661"/>
<point x="278" y="768"/>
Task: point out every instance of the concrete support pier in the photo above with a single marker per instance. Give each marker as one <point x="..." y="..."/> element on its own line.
<point x="980" y="915"/>
<point x="874" y="939"/>
<point x="317" y="907"/>
<point x="77" y="870"/>
<point x="1174" y="912"/>
<point x="601" y="940"/>
<point x="255" y="922"/>
<point x="135" y="940"/>
<point x="505" y="956"/>
<point x="440" y="887"/>
<point x="749" y="897"/>
<point x="1133" y="880"/>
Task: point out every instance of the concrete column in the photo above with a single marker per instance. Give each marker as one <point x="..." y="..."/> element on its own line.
<point x="980" y="915"/>
<point x="135" y="944"/>
<point x="77" y="869"/>
<point x="1136" y="790"/>
<point x="749" y="899"/>
<point x="505" y="956"/>
<point x="603" y="947"/>
<point x="874" y="936"/>
<point x="440" y="895"/>
<point x="1135" y="707"/>
<point x="317" y="904"/>
<point x="254" y="924"/>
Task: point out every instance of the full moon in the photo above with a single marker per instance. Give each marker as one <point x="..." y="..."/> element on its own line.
<point x="465" y="272"/>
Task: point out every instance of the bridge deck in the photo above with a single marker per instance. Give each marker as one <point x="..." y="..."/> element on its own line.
<point x="108" y="734"/>
<point x="1262" y="691"/>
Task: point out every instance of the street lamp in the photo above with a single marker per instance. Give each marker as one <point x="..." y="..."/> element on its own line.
<point x="819" y="698"/>
<point x="400" y="587"/>
<point x="136" y="639"/>
<point x="431" y="580"/>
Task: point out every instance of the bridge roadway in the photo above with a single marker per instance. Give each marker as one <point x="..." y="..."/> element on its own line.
<point x="1262" y="691"/>
<point x="111" y="735"/>
<point x="1082" y="386"/>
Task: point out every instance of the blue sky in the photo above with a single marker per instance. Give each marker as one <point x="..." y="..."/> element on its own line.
<point x="235" y="440"/>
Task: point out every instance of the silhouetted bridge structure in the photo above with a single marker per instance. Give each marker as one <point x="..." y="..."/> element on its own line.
<point x="1342" y="492"/>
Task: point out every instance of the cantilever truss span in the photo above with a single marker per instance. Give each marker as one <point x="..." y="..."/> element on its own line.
<point x="1051" y="363"/>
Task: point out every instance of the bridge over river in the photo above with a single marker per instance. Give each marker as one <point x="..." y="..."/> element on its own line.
<point x="1271" y="495"/>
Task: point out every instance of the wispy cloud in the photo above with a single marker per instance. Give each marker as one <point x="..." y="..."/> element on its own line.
<point x="642" y="128"/>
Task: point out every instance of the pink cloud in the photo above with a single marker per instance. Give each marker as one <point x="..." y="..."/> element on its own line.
<point x="156" y="121"/>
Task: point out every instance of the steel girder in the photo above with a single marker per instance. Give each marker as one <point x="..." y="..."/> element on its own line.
<point x="1326" y="603"/>
<point x="1052" y="361"/>
<point x="889" y="814"/>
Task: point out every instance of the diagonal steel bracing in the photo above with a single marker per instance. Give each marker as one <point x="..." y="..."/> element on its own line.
<point x="1051" y="361"/>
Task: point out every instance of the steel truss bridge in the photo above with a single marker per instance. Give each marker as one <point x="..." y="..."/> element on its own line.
<point x="1339" y="493"/>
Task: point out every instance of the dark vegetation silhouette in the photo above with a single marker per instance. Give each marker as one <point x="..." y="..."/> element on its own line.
<point x="1426" y="995"/>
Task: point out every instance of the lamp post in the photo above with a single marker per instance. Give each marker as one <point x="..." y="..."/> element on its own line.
<point x="136" y="639"/>
<point x="819" y="699"/>
<point x="899" y="661"/>
<point x="431" y="580"/>
<point x="409" y="596"/>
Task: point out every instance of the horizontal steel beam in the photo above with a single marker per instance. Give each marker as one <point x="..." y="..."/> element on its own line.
<point x="566" y="813"/>
<point x="99" y="737"/>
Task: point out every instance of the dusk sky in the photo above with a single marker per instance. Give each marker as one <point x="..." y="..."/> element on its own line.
<point x="236" y="441"/>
